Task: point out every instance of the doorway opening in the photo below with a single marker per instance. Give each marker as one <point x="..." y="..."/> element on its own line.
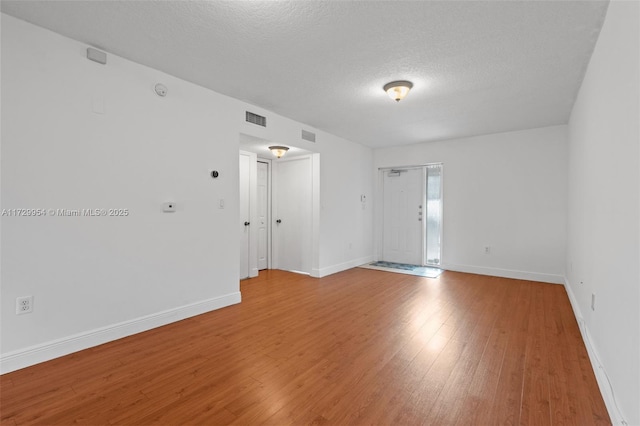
<point x="412" y="215"/>
<point x="279" y="209"/>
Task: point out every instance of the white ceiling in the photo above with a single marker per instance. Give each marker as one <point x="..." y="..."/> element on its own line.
<point x="478" y="67"/>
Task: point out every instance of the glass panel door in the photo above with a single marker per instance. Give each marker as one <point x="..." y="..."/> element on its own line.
<point x="434" y="215"/>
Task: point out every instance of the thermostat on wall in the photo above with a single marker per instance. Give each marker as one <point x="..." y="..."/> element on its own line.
<point x="169" y="207"/>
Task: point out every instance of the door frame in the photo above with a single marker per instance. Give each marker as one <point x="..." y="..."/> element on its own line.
<point x="379" y="211"/>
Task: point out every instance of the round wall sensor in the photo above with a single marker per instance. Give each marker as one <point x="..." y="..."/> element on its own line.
<point x="161" y="90"/>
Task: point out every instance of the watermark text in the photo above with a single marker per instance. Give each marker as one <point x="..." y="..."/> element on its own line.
<point x="99" y="212"/>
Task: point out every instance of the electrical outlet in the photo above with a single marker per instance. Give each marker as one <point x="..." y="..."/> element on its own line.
<point x="24" y="305"/>
<point x="487" y="250"/>
<point x="593" y="301"/>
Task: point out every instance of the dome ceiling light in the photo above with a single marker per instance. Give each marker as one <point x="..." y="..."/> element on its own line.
<point x="279" y="151"/>
<point x="397" y="90"/>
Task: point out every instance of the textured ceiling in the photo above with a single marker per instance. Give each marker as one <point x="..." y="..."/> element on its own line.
<point x="478" y="67"/>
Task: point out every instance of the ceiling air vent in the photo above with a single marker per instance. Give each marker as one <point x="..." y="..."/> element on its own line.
<point x="308" y="136"/>
<point x="256" y="119"/>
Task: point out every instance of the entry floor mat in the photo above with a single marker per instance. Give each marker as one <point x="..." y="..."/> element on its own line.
<point x="404" y="268"/>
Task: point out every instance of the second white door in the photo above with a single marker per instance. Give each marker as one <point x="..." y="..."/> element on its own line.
<point x="292" y="217"/>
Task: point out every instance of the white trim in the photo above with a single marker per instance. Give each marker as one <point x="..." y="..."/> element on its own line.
<point x="505" y="273"/>
<point x="315" y="212"/>
<point x="22" y="358"/>
<point x="323" y="272"/>
<point x="606" y="389"/>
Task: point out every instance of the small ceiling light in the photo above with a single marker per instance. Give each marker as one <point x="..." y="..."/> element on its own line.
<point x="397" y="90"/>
<point x="279" y="151"/>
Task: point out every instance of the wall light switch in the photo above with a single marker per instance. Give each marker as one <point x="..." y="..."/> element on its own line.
<point x="221" y="203"/>
<point x="169" y="207"/>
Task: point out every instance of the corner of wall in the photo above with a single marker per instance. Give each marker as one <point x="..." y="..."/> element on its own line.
<point x="333" y="269"/>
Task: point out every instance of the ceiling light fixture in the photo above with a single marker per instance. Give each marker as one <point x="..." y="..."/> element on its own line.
<point x="279" y="151"/>
<point x="397" y="90"/>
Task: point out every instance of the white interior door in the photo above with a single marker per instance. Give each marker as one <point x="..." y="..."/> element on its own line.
<point x="403" y="230"/>
<point x="245" y="214"/>
<point x="263" y="215"/>
<point x="248" y="229"/>
<point x="292" y="228"/>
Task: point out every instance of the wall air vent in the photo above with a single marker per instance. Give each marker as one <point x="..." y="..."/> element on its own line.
<point x="256" y="119"/>
<point x="308" y="136"/>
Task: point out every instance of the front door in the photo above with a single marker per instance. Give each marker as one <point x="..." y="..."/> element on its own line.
<point x="403" y="199"/>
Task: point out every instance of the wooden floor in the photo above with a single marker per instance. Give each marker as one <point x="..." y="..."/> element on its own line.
<point x="358" y="347"/>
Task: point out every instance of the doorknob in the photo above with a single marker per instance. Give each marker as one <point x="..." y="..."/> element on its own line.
<point x="247" y="224"/>
<point x="278" y="221"/>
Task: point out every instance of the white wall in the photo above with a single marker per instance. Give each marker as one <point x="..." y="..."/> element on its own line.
<point x="506" y="191"/>
<point x="77" y="134"/>
<point x="347" y="241"/>
<point x="604" y="185"/>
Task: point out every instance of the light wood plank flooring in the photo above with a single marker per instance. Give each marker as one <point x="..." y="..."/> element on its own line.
<point x="358" y="347"/>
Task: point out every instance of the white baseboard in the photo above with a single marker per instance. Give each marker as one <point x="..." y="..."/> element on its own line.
<point x="22" y="358"/>
<point x="505" y="273"/>
<point x="605" y="386"/>
<point x="323" y="272"/>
